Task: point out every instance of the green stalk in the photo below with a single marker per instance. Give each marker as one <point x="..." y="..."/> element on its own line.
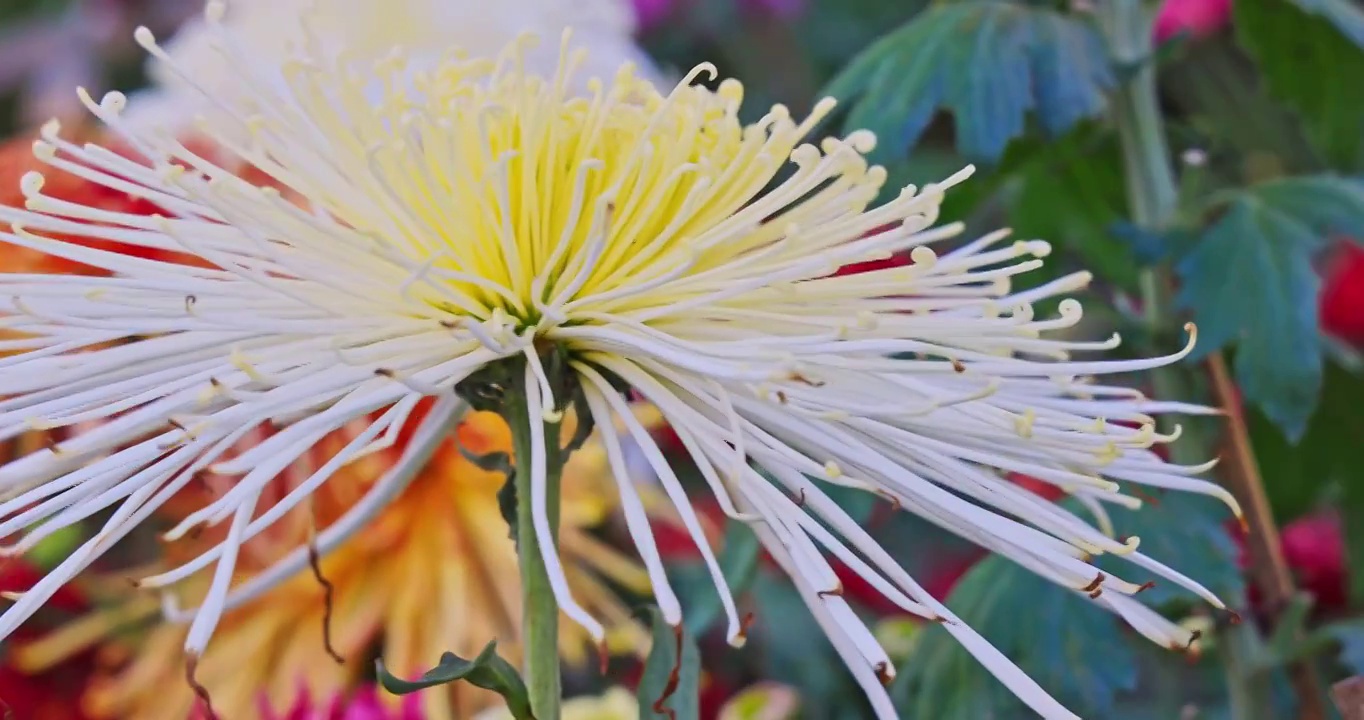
<point x="1152" y="192"/>
<point x="1153" y="195"/>
<point x="540" y="611"/>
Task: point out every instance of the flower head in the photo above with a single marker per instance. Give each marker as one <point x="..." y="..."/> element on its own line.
<point x="1341" y="305"/>
<point x="425" y="575"/>
<point x="1199" y="18"/>
<point x="471" y="217"/>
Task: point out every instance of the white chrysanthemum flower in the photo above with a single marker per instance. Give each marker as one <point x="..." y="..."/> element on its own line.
<point x="366" y="31"/>
<point x="480" y="214"/>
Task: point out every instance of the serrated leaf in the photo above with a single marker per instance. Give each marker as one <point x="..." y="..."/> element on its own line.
<point x="738" y="562"/>
<point x="1249" y="278"/>
<point x="1306" y="62"/>
<point x="671" y="684"/>
<point x="1069" y="645"/>
<point x="987" y="62"/>
<point x="488" y="670"/>
<point x="1187" y="532"/>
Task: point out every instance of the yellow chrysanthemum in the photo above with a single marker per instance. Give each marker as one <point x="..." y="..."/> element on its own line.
<point x="433" y="572"/>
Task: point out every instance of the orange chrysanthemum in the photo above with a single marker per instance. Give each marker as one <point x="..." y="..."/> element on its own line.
<point x="435" y="571"/>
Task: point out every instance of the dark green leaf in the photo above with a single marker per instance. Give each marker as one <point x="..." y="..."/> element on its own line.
<point x="1187" y="532"/>
<point x="1325" y="464"/>
<point x="485" y="389"/>
<point x="1326" y="460"/>
<point x="488" y="670"/>
<point x="506" y="504"/>
<point x="1168" y="684"/>
<point x="499" y="462"/>
<point x="739" y="563"/>
<point x="794" y="650"/>
<point x="989" y="63"/>
<point x="1069" y="645"/>
<point x="1311" y="66"/>
<point x="1249" y="278"/>
<point x="586" y="424"/>
<point x="1071" y="194"/>
<point x="671" y="685"/>
<point x="1344" y="14"/>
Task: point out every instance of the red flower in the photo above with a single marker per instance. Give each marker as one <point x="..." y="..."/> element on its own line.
<point x="363" y="704"/>
<point x="1342" y="295"/>
<point x="49" y="695"/>
<point x="1315" y="551"/>
<point x="893" y="261"/>
<point x="1047" y="490"/>
<point x="1199" y="18"/>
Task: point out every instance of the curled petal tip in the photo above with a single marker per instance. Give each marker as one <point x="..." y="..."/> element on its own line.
<point x="885" y="673"/>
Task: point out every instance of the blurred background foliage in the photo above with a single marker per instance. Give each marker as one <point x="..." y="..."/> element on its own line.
<point x="1263" y="105"/>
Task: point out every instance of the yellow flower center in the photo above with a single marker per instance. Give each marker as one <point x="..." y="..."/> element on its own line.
<point x="522" y="198"/>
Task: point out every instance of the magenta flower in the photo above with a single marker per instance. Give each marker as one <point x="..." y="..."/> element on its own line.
<point x="1199" y="18"/>
<point x="363" y="704"/>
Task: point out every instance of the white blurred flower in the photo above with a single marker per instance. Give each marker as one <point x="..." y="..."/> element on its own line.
<point x="368" y="30"/>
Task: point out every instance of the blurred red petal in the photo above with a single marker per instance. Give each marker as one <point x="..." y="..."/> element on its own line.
<point x="1342" y="296"/>
<point x="1199" y="18"/>
<point x="18" y="575"/>
<point x="1315" y="549"/>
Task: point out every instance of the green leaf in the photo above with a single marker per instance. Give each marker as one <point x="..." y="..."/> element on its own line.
<point x="1326" y="460"/>
<point x="1307" y="63"/>
<point x="1187" y="532"/>
<point x="738" y="562"/>
<point x="671" y="685"/>
<point x="989" y="63"/>
<point x="1073" y="648"/>
<point x="587" y="422"/>
<point x="1168" y="685"/>
<point x="1249" y="278"/>
<point x="1069" y="645"/>
<point x="53" y="549"/>
<point x="1345" y="15"/>
<point x="793" y="650"/>
<point x="488" y="670"/>
<point x="1323" y="465"/>
<point x="499" y="462"/>
<point x="1072" y="193"/>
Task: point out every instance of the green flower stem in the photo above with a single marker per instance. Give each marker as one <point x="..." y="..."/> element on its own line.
<point x="1154" y="198"/>
<point x="540" y="611"/>
<point x="1152" y="192"/>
